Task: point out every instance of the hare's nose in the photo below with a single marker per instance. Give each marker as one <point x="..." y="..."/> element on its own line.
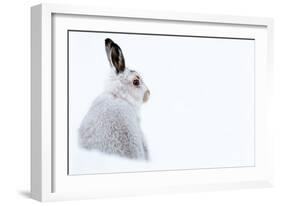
<point x="146" y="96"/>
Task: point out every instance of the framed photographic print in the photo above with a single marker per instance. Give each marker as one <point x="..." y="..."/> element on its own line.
<point x="134" y="102"/>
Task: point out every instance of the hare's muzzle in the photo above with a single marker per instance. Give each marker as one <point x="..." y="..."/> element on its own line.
<point x="146" y="96"/>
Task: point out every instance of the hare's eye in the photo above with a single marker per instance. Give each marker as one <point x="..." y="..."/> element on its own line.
<point x="136" y="82"/>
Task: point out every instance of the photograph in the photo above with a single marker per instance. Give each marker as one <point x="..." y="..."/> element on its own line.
<point x="140" y="102"/>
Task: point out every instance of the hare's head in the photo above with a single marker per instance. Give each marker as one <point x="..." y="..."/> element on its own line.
<point x="124" y="82"/>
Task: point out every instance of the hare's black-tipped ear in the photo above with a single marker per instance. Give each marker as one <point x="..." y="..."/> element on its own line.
<point x="115" y="55"/>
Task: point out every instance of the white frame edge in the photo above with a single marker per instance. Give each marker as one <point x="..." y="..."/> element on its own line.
<point x="36" y="56"/>
<point x="41" y="79"/>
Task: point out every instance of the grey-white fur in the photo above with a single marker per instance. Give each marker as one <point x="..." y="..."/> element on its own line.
<point x="112" y="124"/>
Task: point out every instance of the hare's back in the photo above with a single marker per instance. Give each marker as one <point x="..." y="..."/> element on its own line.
<point x="114" y="110"/>
<point x="112" y="126"/>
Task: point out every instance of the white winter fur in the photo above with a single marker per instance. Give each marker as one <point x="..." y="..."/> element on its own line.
<point x="112" y="125"/>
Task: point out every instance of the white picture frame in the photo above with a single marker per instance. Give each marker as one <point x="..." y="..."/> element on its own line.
<point x="49" y="178"/>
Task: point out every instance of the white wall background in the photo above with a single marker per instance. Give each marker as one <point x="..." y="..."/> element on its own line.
<point x="15" y="95"/>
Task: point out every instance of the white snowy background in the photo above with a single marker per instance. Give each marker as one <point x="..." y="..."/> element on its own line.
<point x="200" y="110"/>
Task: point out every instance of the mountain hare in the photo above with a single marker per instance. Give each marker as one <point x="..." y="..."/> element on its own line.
<point x="112" y="125"/>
